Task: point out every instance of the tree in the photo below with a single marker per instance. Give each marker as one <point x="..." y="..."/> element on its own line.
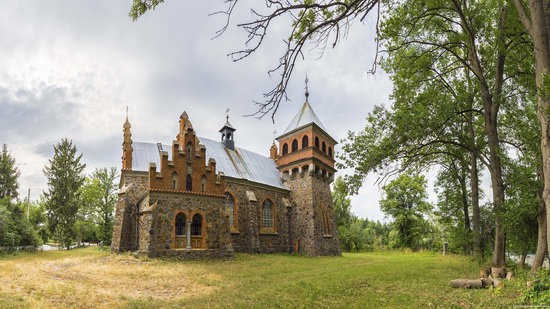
<point x="8" y="174"/>
<point x="99" y="194"/>
<point x="405" y="201"/>
<point x="65" y="177"/>
<point x="15" y="229"/>
<point x="342" y="203"/>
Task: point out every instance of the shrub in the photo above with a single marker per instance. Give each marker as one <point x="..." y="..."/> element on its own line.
<point x="538" y="293"/>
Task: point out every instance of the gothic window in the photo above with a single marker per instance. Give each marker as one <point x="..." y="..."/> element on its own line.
<point x="268" y="214"/>
<point x="230" y="209"/>
<point x="203" y="183"/>
<point x="305" y="141"/>
<point x="188" y="183"/>
<point x="285" y="149"/>
<point x="324" y="148"/>
<point x="326" y="224"/>
<point x="180" y="224"/>
<point x="189" y="151"/>
<point x="294" y="145"/>
<point x="330" y="151"/>
<point x="174" y="180"/>
<point x="316" y="142"/>
<point x="196" y="225"/>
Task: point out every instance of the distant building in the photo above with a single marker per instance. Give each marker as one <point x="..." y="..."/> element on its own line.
<point x="202" y="198"/>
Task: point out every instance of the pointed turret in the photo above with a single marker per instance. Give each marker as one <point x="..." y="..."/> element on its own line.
<point x="127" y="148"/>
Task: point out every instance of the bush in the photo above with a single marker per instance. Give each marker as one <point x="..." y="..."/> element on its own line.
<point x="538" y="293"/>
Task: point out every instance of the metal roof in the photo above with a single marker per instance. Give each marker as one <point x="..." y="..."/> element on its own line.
<point x="305" y="116"/>
<point x="239" y="163"/>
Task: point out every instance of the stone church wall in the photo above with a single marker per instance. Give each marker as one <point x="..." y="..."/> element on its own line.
<point x="311" y="195"/>
<point x="124" y="231"/>
<point x="160" y="225"/>
<point x="248" y="235"/>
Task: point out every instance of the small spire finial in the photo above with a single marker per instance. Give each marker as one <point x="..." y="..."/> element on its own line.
<point x="126" y="112"/>
<point x="307" y="92"/>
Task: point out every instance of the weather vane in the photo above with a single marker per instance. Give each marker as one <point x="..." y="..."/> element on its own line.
<point x="227" y="114"/>
<point x="307" y="92"/>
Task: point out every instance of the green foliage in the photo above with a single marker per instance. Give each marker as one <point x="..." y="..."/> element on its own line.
<point x="65" y="177"/>
<point x="8" y="174"/>
<point x="538" y="294"/>
<point x="405" y="201"/>
<point x="15" y="229"/>
<point x="139" y="7"/>
<point x="341" y="202"/>
<point x="99" y="199"/>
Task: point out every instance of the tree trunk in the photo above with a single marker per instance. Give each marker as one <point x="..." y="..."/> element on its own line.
<point x="522" y="260"/>
<point x="465" y="206"/>
<point x="467" y="283"/>
<point x="474" y="190"/>
<point x="541" y="239"/>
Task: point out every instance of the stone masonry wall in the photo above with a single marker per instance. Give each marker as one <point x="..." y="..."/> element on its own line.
<point x="158" y="225"/>
<point x="311" y="195"/>
<point x="124" y="231"/>
<point x="248" y="236"/>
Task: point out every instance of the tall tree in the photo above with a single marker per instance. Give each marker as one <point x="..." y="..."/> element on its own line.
<point x="65" y="177"/>
<point x="342" y="203"/>
<point x="405" y="200"/>
<point x="8" y="174"/>
<point x="99" y="192"/>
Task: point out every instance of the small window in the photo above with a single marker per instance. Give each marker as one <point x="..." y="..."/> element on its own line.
<point x="180" y="224"/>
<point x="324" y="148"/>
<point x="230" y="208"/>
<point x="294" y="145"/>
<point x="268" y="217"/>
<point x="316" y="142"/>
<point x="203" y="183"/>
<point x="330" y="151"/>
<point x="188" y="183"/>
<point x="175" y="181"/>
<point x="196" y="225"/>
<point x="285" y="149"/>
<point x="305" y="141"/>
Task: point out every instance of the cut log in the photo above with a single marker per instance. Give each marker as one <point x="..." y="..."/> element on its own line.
<point x="509" y="275"/>
<point x="498" y="283"/>
<point x="487" y="282"/>
<point x="498" y="272"/>
<point x="467" y="283"/>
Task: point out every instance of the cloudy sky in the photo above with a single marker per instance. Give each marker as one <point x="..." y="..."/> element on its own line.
<point x="70" y="69"/>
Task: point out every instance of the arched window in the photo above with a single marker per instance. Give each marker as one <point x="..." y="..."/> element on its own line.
<point x="188" y="183"/>
<point x="294" y="145"/>
<point x="268" y="215"/>
<point x="316" y="142"/>
<point x="180" y="224"/>
<point x="174" y="180"/>
<point x="196" y="225"/>
<point x="203" y="183"/>
<point x="189" y="151"/>
<point x="324" y="148"/>
<point x="305" y="141"/>
<point x="285" y="149"/>
<point x="230" y="208"/>
<point x="330" y="151"/>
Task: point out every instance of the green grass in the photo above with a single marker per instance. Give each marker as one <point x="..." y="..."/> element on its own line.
<point x="93" y="278"/>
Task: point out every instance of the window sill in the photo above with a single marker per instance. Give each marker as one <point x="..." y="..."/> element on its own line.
<point x="268" y="231"/>
<point x="234" y="231"/>
<point x="327" y="236"/>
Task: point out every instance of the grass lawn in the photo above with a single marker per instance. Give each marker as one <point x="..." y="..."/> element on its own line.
<point x="93" y="278"/>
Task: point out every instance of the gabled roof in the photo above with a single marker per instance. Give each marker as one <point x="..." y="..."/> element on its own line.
<point x="304" y="117"/>
<point x="238" y="163"/>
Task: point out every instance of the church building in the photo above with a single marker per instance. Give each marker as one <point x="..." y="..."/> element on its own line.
<point x="200" y="198"/>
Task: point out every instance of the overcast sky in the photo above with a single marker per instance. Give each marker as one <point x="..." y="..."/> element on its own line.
<point x="70" y="68"/>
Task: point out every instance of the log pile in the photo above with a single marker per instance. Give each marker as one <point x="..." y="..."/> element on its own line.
<point x="490" y="277"/>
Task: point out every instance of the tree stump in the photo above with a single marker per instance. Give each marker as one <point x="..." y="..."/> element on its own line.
<point x="487" y="282"/>
<point x="467" y="283"/>
<point x="509" y="275"/>
<point x="498" y="272"/>
<point x="485" y="272"/>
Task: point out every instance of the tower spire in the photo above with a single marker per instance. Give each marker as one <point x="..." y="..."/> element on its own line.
<point x="307" y="91"/>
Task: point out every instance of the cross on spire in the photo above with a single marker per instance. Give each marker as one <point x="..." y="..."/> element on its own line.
<point x="307" y="92"/>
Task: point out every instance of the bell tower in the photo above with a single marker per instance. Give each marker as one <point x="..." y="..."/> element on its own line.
<point x="306" y="165"/>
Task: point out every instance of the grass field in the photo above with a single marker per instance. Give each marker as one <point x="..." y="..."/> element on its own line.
<point x="93" y="278"/>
